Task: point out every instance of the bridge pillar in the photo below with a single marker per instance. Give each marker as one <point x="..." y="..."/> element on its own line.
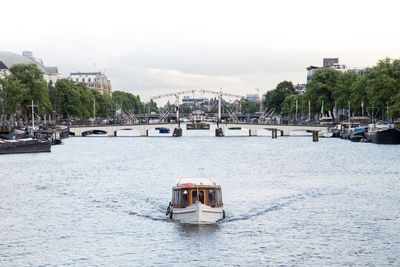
<point x="143" y="132"/>
<point x="177" y="132"/>
<point x="219" y="132"/>
<point x="253" y="131"/>
<point x="274" y="133"/>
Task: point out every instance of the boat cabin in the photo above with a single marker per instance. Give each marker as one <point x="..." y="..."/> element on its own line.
<point x="187" y="191"/>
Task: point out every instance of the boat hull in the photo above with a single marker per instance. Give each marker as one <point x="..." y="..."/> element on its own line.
<point x="389" y="136"/>
<point x="31" y="146"/>
<point x="198" y="213"/>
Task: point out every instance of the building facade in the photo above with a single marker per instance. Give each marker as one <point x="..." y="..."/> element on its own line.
<point x="329" y="62"/>
<point x="333" y="63"/>
<point x="8" y="59"/>
<point x="253" y="98"/>
<point x="94" y="80"/>
<point x="195" y="101"/>
<point x="3" y="70"/>
<point x="300" y="88"/>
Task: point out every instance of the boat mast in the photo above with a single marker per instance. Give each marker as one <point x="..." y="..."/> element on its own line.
<point x="349" y="111"/>
<point x="388" y="114"/>
<point x="33" y="113"/>
<point x="219" y="106"/>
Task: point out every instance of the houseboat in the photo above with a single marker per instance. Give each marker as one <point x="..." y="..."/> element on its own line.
<point x="196" y="200"/>
<point x="27" y="145"/>
<point x="383" y="134"/>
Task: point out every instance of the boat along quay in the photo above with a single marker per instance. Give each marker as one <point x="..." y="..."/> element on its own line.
<point x="176" y="129"/>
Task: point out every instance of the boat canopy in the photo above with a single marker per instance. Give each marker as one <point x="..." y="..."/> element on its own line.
<point x="189" y="182"/>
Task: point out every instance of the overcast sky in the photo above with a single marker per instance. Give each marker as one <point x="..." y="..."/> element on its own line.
<point x="156" y="47"/>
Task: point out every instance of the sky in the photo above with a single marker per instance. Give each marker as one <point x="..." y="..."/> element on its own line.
<point x="152" y="47"/>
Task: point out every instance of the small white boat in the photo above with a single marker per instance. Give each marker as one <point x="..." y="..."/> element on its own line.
<point x="196" y="200"/>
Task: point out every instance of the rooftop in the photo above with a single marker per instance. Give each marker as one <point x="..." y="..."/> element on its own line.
<point x="9" y="59"/>
<point x="86" y="73"/>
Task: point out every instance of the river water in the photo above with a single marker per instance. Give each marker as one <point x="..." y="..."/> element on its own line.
<point x="289" y="201"/>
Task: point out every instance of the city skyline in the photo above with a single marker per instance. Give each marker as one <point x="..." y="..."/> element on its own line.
<point x="157" y="47"/>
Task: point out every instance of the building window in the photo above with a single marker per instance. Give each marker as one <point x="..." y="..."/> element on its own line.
<point x="83" y="80"/>
<point x="89" y="79"/>
<point x="77" y="79"/>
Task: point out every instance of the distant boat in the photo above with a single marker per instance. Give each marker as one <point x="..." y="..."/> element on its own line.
<point x="28" y="145"/>
<point x="53" y="135"/>
<point x="357" y="135"/>
<point x="196" y="200"/>
<point x="164" y="130"/>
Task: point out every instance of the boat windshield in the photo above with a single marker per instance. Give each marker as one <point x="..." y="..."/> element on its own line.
<point x="194" y="196"/>
<point x="183" y="197"/>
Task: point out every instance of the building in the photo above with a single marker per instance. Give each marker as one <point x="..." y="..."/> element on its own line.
<point x="329" y="62"/>
<point x="333" y="63"/>
<point x="253" y="98"/>
<point x="310" y="72"/>
<point x="300" y="88"/>
<point x="94" y="80"/>
<point x="194" y="101"/>
<point x="8" y="59"/>
<point x="3" y="70"/>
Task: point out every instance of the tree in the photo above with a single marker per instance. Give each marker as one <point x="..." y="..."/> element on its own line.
<point x="68" y="98"/>
<point x="342" y="91"/>
<point x="383" y="82"/>
<point x="321" y="87"/>
<point x="275" y="98"/>
<point x="32" y="77"/>
<point x="13" y="93"/>
<point x="249" y="106"/>
<point x="395" y="109"/>
<point x="103" y="105"/>
<point x="86" y="100"/>
<point x="127" y="102"/>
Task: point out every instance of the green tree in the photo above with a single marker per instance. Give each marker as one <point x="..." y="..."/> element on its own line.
<point x="12" y="93"/>
<point x="32" y="77"/>
<point x="103" y="104"/>
<point x="383" y="82"/>
<point x="289" y="105"/>
<point x="127" y="102"/>
<point x="68" y="98"/>
<point x="86" y="101"/>
<point x="275" y="98"/>
<point x="321" y="87"/>
<point x="395" y="109"/>
<point x="342" y="91"/>
<point x="249" y="106"/>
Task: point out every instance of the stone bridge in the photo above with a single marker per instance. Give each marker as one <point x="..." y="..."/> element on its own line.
<point x="253" y="128"/>
<point x="111" y="130"/>
<point x="285" y="130"/>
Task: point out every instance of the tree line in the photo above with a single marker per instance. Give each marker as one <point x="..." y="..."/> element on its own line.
<point x="71" y="100"/>
<point x="330" y="89"/>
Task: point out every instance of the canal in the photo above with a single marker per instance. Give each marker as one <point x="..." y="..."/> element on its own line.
<point x="288" y="201"/>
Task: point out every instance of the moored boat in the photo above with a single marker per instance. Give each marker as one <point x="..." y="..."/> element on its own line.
<point x="28" y="145"/>
<point x="196" y="200"/>
<point x="164" y="130"/>
<point x="383" y="134"/>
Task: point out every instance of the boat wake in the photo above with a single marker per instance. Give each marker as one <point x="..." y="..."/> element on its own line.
<point x="150" y="208"/>
<point x="277" y="205"/>
<point x="149" y="217"/>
